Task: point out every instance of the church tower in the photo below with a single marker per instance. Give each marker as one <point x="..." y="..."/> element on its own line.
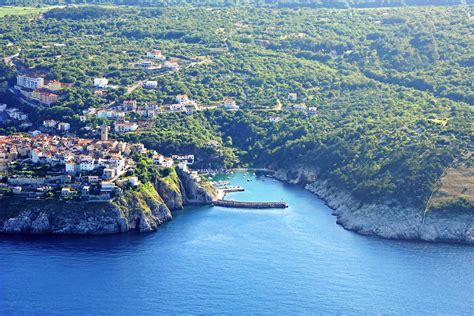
<point x="104" y="132"/>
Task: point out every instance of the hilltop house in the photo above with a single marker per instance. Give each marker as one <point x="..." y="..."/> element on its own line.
<point x="156" y="54"/>
<point x="182" y="99"/>
<point x="230" y="104"/>
<point x="171" y="64"/>
<point x="151" y="84"/>
<point x="101" y="82"/>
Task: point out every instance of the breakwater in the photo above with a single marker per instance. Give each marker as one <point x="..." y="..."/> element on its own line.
<point x="241" y="204"/>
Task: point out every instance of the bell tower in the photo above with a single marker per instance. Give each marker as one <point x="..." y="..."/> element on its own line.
<point x="104" y="132"/>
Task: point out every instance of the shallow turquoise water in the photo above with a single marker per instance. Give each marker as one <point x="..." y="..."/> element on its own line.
<point x="236" y="261"/>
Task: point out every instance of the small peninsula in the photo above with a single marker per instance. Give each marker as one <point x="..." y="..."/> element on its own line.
<point x="64" y="185"/>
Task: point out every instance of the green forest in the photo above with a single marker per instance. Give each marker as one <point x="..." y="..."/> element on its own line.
<point x="392" y="86"/>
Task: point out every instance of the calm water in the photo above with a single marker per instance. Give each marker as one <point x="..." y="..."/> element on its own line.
<point x="214" y="260"/>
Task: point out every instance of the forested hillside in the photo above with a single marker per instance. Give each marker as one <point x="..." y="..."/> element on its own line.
<point x="341" y="4"/>
<point x="378" y="100"/>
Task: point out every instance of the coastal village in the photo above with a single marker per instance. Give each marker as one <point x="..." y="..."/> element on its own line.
<point x="47" y="166"/>
<point x="127" y="114"/>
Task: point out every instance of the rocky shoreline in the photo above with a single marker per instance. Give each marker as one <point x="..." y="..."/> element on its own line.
<point x="136" y="210"/>
<point x="384" y="220"/>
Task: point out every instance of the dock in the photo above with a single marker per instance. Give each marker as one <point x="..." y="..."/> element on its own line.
<point x="241" y="204"/>
<point x="233" y="189"/>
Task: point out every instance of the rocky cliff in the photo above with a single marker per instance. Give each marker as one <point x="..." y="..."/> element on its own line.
<point x="142" y="209"/>
<point x="387" y="220"/>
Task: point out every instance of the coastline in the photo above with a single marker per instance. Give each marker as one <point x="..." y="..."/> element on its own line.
<point x="142" y="211"/>
<point x="383" y="220"/>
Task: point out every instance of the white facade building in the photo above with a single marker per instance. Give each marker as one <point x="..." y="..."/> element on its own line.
<point x="101" y="82"/>
<point x="30" y="82"/>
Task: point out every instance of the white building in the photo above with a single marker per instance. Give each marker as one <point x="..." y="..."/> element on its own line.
<point x="230" y="104"/>
<point x="30" y="82"/>
<point x="16" y="114"/>
<point x="3" y="107"/>
<point x="158" y="159"/>
<point x="63" y="126"/>
<point x="167" y="163"/>
<point x="125" y="126"/>
<point x="292" y="96"/>
<point x="156" y="54"/>
<point x="188" y="159"/>
<point x="151" y="84"/>
<point x="50" y="123"/>
<point x="182" y="99"/>
<point x="87" y="164"/>
<point x="101" y="82"/>
<point x="71" y="167"/>
<point x="110" y="114"/>
<point x="177" y="107"/>
<point x="171" y="65"/>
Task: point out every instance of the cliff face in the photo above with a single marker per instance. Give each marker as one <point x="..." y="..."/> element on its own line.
<point x="142" y="210"/>
<point x="135" y="210"/>
<point x="387" y="220"/>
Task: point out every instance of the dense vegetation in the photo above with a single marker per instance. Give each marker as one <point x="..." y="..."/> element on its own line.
<point x="393" y="87"/>
<point x="340" y="4"/>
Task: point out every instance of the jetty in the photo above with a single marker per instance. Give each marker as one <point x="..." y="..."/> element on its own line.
<point x="241" y="204"/>
<point x="233" y="189"/>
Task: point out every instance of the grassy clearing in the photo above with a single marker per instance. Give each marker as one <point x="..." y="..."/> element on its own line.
<point x="457" y="183"/>
<point x="8" y="10"/>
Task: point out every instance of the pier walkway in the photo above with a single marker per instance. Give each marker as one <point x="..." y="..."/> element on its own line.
<point x="241" y="204"/>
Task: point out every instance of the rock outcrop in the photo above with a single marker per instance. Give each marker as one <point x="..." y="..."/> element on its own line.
<point x="387" y="220"/>
<point x="142" y="209"/>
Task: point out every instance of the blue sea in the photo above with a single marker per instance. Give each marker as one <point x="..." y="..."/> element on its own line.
<point x="211" y="260"/>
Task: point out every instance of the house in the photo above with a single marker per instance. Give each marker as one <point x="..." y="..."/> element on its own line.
<point x="167" y="162"/>
<point x="100" y="93"/>
<point x="93" y="179"/>
<point x="71" y="167"/>
<point x="54" y="85"/>
<point x="151" y="84"/>
<point x="182" y="99"/>
<point x="66" y="192"/>
<point x="110" y="114"/>
<point x="188" y="159"/>
<point x="125" y="126"/>
<point x="158" y="159"/>
<point x="129" y="105"/>
<point x="30" y="82"/>
<point x="101" y="82"/>
<point x="44" y="96"/>
<point x="50" y="123"/>
<point x="230" y="104"/>
<point x="87" y="164"/>
<point x="107" y="187"/>
<point x="292" y="96"/>
<point x="177" y="107"/>
<point x="171" y="65"/>
<point x="313" y="110"/>
<point x="156" y="54"/>
<point x="63" y="126"/>
<point x="300" y="106"/>
<point x="16" y="114"/>
<point x="274" y="119"/>
<point x="133" y="181"/>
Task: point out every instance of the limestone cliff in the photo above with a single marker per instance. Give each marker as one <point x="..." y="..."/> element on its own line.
<point x="142" y="209"/>
<point x="387" y="220"/>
